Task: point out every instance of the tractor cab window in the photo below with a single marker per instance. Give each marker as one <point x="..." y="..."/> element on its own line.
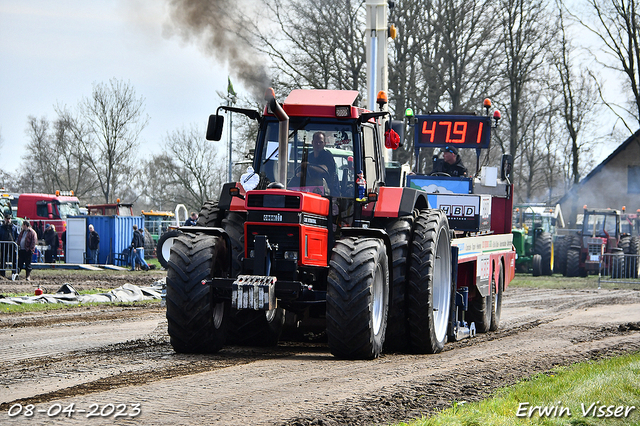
<point x="320" y="157"/>
<point x="600" y="225"/>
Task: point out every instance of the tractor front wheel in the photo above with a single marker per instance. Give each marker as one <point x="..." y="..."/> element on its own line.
<point x="357" y="298"/>
<point x="197" y="320"/>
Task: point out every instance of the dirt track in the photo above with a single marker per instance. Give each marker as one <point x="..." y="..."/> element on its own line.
<point x="121" y="355"/>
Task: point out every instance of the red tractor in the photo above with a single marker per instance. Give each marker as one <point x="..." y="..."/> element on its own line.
<point x="600" y="235"/>
<point x="303" y="244"/>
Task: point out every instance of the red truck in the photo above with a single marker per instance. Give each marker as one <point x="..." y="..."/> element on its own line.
<point x="42" y="209"/>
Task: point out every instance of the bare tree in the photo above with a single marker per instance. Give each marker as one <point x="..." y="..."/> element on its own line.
<point x="115" y="117"/>
<point x="194" y="169"/>
<point x="316" y="45"/>
<point x="525" y="34"/>
<point x="618" y="27"/>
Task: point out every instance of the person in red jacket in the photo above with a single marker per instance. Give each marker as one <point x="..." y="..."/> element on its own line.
<point x="26" y="246"/>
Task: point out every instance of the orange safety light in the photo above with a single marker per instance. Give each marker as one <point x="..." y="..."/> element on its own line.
<point x="487" y="103"/>
<point x="624" y="208"/>
<point x="117" y="200"/>
<point x="57" y="193"/>
<point x="382" y="98"/>
<point x="496" y="115"/>
<point x="392" y="32"/>
<point x="584" y="207"/>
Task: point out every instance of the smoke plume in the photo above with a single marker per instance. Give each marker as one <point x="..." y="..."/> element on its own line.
<point x="220" y="28"/>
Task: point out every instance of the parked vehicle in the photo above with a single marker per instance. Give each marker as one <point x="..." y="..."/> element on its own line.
<point x="536" y="240"/>
<point x="600" y="234"/>
<point x="43" y="209"/>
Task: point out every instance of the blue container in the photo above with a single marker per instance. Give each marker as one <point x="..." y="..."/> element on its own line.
<point x="116" y="233"/>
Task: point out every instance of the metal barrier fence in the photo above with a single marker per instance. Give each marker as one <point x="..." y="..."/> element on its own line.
<point x="619" y="268"/>
<point x="9" y="258"/>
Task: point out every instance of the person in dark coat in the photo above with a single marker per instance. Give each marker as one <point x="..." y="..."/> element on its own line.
<point x="137" y="249"/>
<point x="51" y="240"/>
<point x="8" y="233"/>
<point x="450" y="164"/>
<point x="192" y="220"/>
<point x="26" y="246"/>
<point x="94" y="245"/>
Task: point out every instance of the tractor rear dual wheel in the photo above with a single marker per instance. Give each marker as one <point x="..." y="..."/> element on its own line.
<point x="399" y="232"/>
<point x="429" y="285"/>
<point x="357" y="298"/>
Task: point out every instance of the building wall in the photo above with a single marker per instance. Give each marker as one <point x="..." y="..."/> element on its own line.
<point x="607" y="188"/>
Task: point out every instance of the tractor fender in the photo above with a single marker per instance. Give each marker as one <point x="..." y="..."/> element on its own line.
<point x="373" y="233"/>
<point x="229" y="202"/>
<point x="397" y="202"/>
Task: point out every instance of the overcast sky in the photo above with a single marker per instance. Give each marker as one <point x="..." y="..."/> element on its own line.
<point x="52" y="52"/>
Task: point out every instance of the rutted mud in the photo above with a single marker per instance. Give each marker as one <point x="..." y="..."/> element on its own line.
<point x="294" y="383"/>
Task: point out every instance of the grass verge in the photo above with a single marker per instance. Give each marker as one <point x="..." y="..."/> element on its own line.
<point x="561" y="282"/>
<point x="605" y="392"/>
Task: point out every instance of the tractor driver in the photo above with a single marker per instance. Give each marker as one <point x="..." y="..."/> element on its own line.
<point x="450" y="164"/>
<point x="320" y="164"/>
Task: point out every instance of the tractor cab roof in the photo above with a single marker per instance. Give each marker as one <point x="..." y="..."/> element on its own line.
<point x="322" y="103"/>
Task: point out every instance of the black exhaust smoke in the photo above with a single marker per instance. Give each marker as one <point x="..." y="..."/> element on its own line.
<point x="223" y="33"/>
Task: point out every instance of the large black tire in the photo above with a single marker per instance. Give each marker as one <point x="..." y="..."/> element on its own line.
<point x="480" y="310"/>
<point x="536" y="265"/>
<point x="357" y="298"/>
<point x="165" y="242"/>
<point x="399" y="232"/>
<point x="210" y="215"/>
<point x="617" y="267"/>
<point x="233" y="223"/>
<point x="196" y="320"/>
<point x="631" y="246"/>
<point x="429" y="287"/>
<point x="544" y="247"/>
<point x="573" y="262"/>
<point x="560" y="254"/>
<point x="496" y="305"/>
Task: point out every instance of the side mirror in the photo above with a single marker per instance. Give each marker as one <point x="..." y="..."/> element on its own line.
<point x="398" y="127"/>
<point x="214" y="127"/>
<point x="506" y="166"/>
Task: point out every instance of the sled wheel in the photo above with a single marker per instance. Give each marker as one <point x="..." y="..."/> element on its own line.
<point x="496" y="305"/>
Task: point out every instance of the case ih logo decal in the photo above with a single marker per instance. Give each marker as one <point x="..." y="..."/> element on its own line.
<point x="272" y="217"/>
<point x="458" y="211"/>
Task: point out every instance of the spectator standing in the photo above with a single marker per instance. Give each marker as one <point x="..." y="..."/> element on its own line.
<point x="51" y="240"/>
<point x="94" y="245"/>
<point x="137" y="249"/>
<point x="8" y="233"/>
<point x="26" y="246"/>
<point x="192" y="220"/>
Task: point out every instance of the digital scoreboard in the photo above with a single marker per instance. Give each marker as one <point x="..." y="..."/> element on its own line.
<point x="461" y="131"/>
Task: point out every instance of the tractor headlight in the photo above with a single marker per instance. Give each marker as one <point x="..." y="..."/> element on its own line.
<point x="291" y="255"/>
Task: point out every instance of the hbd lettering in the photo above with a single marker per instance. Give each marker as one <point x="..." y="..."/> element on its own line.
<point x="592" y="410"/>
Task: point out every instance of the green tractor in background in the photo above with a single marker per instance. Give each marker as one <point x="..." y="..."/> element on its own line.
<point x="535" y="238"/>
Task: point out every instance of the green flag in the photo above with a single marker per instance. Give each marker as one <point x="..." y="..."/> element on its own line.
<point x="230" y="90"/>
